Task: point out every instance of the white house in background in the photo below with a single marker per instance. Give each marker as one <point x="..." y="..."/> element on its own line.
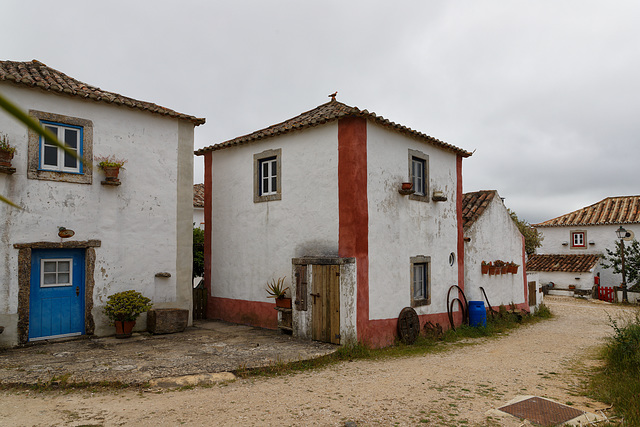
<point x="318" y="199"/>
<point x="491" y="235"/>
<point x="198" y="205"/>
<point x="572" y="245"/>
<point x="136" y="235"/>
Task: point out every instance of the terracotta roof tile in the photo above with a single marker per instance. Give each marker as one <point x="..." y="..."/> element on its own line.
<point x="198" y="195"/>
<point x="612" y="210"/>
<point x="325" y="113"/>
<point x="474" y="205"/>
<point x="38" y="75"/>
<point x="567" y="263"/>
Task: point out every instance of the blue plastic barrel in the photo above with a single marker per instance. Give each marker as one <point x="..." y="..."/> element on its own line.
<point x="477" y="313"/>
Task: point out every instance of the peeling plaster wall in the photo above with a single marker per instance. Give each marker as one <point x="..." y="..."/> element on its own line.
<point x="603" y="236"/>
<point x="253" y="243"/>
<point x="136" y="222"/>
<point x="400" y="228"/>
<point x="494" y="236"/>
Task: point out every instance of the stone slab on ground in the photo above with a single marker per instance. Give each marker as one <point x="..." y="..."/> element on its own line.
<point x="207" y="347"/>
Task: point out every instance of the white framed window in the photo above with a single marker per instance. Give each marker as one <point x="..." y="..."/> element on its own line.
<point x="267" y="176"/>
<point x="53" y="158"/>
<point x="578" y="239"/>
<point x="56" y="272"/>
<point x="420" y="280"/>
<point x="419" y="175"/>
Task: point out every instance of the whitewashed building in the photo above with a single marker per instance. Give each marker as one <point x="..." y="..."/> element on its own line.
<point x="490" y="235"/>
<point x="136" y="234"/>
<point x="318" y="199"/>
<point x="198" y="206"/>
<point x="570" y="255"/>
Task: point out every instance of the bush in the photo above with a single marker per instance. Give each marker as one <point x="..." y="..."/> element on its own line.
<point x="127" y="305"/>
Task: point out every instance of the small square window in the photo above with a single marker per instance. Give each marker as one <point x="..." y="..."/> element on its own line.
<point x="578" y="239"/>
<point x="419" y="175"/>
<point x="56" y="272"/>
<point x="420" y="281"/>
<point x="267" y="176"/>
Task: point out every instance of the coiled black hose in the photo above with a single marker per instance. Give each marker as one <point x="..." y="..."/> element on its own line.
<point x="463" y="307"/>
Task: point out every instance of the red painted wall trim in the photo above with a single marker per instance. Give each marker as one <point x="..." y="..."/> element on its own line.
<point x="386" y="330"/>
<point x="524" y="275"/>
<point x="208" y="184"/>
<point x="254" y="313"/>
<point x="353" y="211"/>
<point x="460" y="222"/>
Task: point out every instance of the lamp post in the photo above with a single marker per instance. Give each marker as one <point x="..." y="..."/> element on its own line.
<point x="622" y="233"/>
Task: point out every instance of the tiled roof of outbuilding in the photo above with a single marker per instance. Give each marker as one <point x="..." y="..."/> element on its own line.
<point x="474" y="205"/>
<point x="198" y="195"/>
<point x="612" y="210"/>
<point x="325" y="113"/>
<point x="569" y="263"/>
<point x="37" y="75"/>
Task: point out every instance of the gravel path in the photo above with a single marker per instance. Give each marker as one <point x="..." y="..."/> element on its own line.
<point x="457" y="387"/>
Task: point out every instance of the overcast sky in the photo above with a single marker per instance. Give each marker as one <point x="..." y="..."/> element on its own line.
<point x="547" y="93"/>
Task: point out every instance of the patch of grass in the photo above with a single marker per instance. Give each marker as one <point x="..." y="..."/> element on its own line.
<point x="617" y="381"/>
<point x="463" y="335"/>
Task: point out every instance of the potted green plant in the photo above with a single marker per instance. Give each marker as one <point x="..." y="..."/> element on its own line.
<point x="111" y="166"/>
<point x="6" y="151"/>
<point x="278" y="291"/>
<point x="123" y="309"/>
<point x="501" y="266"/>
<point x="485" y="267"/>
<point x="513" y="268"/>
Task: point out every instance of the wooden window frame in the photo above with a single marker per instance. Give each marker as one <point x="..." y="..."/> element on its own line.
<point x="258" y="160"/>
<point x="426" y="261"/>
<point x="415" y="155"/>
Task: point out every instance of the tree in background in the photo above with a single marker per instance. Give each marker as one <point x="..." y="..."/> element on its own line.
<point x="612" y="260"/>
<point x="198" y="252"/>
<point x="532" y="238"/>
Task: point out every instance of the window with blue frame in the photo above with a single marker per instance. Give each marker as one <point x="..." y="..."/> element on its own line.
<point x="52" y="157"/>
<point x="48" y="162"/>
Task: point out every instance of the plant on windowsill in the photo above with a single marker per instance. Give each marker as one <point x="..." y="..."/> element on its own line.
<point x="406" y="188"/>
<point x="279" y="292"/>
<point x="123" y="309"/>
<point x="6" y="151"/>
<point x="111" y="166"/>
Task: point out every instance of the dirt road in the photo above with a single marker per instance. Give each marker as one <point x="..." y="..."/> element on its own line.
<point x="453" y="388"/>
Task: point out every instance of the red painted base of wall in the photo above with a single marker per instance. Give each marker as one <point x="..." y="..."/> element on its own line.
<point x="260" y="314"/>
<point x="384" y="332"/>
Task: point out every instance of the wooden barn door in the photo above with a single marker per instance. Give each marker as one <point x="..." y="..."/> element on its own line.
<point x="532" y="293"/>
<point x="326" y="303"/>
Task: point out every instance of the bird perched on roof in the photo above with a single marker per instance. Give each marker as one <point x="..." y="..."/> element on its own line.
<point x="333" y="96"/>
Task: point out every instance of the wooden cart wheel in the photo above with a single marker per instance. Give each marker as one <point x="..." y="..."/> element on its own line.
<point x="408" y="325"/>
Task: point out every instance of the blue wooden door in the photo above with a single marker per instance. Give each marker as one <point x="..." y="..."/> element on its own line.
<point x="56" y="302"/>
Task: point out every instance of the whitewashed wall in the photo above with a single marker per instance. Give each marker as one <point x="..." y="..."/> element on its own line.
<point x="603" y="236"/>
<point x="139" y="223"/>
<point x="400" y="228"/>
<point x="253" y="243"/>
<point x="198" y="217"/>
<point x="494" y="236"/>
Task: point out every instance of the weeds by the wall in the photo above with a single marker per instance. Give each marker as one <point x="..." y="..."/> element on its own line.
<point x="617" y="382"/>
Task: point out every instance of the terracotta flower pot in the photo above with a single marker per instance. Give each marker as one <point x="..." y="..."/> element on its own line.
<point x="111" y="172"/>
<point x="124" y="328"/>
<point x="504" y="269"/>
<point x="407" y="185"/>
<point x="283" y="302"/>
<point x="5" y="158"/>
<point x="492" y="270"/>
<point x="485" y="268"/>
